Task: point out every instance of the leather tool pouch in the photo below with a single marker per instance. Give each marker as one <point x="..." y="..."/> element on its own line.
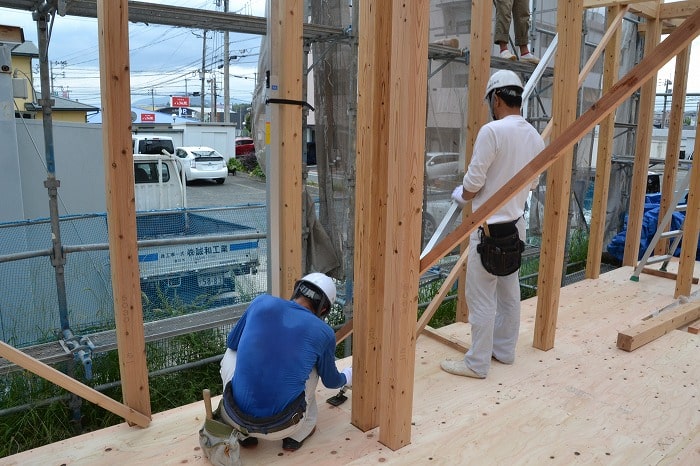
<point x="501" y="252"/>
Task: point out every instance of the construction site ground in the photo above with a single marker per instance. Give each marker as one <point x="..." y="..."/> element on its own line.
<point x="583" y="402"/>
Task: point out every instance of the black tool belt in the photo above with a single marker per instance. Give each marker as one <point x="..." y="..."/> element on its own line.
<point x="289" y="416"/>
<point x="501" y="250"/>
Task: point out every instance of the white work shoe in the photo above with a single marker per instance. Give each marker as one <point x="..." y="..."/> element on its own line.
<point x="530" y="58"/>
<point x="506" y="55"/>
<point x="459" y="368"/>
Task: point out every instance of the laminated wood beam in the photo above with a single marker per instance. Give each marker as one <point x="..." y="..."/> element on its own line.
<point x="72" y="385"/>
<point x="678" y="9"/>
<point x="640" y="169"/>
<point x="113" y="32"/>
<point x="658" y="326"/>
<point x="637" y="76"/>
<point x="645" y="8"/>
<point x="284" y="174"/>
<point x="611" y="69"/>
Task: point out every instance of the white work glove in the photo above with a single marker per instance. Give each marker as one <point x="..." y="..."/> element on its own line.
<point x="347" y="372"/>
<point x="457" y="196"/>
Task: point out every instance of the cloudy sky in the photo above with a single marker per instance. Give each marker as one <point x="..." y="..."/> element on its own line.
<point x="164" y="60"/>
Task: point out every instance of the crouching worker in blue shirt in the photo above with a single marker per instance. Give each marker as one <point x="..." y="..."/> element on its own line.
<point x="275" y="355"/>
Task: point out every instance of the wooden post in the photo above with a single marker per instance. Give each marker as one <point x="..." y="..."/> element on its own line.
<point x="370" y="209"/>
<point x="405" y="144"/>
<point x="113" y="30"/>
<point x="480" y="46"/>
<point x="605" y="149"/>
<point x="566" y="64"/>
<point x="284" y="163"/>
<point x="673" y="146"/>
<point x="645" y="125"/>
<point x="691" y="226"/>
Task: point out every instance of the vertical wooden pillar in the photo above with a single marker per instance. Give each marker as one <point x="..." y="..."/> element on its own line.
<point x="645" y="125"/>
<point x="285" y="25"/>
<point x="402" y="134"/>
<point x="370" y="209"/>
<point x="611" y="69"/>
<point x="673" y="146"/>
<point x="691" y="226"/>
<point x="480" y="45"/>
<point x="566" y="65"/>
<point x="113" y="30"/>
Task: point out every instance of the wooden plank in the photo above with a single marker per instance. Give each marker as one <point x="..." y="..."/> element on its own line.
<point x="661" y="273"/>
<point x="694" y="328"/>
<point x="691" y="230"/>
<point x="370" y="209"/>
<point x="446" y="286"/>
<point x="680" y="9"/>
<point x="596" y="236"/>
<point x="73" y="386"/>
<point x="448" y="341"/>
<point x="673" y="145"/>
<point x="284" y="173"/>
<point x="645" y="125"/>
<point x="637" y="76"/>
<point x="554" y="230"/>
<point x="658" y="326"/>
<point x="407" y="83"/>
<point x="645" y="8"/>
<point x="113" y="32"/>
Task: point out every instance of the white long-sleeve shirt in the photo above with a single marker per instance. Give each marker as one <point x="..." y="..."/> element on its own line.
<point x="502" y="148"/>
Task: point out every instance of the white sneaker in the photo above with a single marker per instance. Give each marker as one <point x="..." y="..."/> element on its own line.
<point x="459" y="368"/>
<point x="530" y="58"/>
<point x="506" y="55"/>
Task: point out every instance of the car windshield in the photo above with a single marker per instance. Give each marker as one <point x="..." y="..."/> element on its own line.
<point x="240" y="142"/>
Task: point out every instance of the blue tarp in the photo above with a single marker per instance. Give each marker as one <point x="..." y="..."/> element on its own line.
<point x="650" y="221"/>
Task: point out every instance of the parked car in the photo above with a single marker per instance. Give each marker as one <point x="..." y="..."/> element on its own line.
<point x="244" y="145"/>
<point x="202" y="163"/>
<point x="441" y="165"/>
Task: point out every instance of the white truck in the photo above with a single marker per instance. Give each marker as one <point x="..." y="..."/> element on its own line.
<point x="190" y="254"/>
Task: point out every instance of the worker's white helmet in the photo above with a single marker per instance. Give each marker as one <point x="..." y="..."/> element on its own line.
<point x="502" y="78"/>
<point x="314" y="283"/>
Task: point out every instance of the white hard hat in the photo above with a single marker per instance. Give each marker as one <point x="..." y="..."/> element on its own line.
<point x="324" y="283"/>
<point x="502" y="78"/>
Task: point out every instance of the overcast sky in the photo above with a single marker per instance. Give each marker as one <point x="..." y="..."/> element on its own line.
<point x="166" y="60"/>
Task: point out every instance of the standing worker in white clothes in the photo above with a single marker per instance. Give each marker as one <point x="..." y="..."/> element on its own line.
<point x="502" y="148"/>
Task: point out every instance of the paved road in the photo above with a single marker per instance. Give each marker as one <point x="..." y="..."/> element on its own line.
<point x="238" y="189"/>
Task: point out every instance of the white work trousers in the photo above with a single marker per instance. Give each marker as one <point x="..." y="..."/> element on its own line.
<point x="297" y="432"/>
<point x="494" y="311"/>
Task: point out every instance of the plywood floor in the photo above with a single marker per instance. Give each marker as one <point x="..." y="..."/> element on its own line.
<point x="583" y="402"/>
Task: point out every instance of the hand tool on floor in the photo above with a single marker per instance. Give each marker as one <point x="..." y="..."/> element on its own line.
<point x="339" y="398"/>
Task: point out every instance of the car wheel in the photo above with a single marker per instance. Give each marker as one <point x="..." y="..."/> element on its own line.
<point x="429" y="227"/>
<point x="220" y="180"/>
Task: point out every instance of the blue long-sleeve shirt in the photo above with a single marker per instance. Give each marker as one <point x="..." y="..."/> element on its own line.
<point x="278" y="342"/>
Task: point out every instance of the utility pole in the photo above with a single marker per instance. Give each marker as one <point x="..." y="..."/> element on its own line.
<point x="202" y="74"/>
<point x="667" y="82"/>
<point x="227" y="97"/>
<point x="212" y="112"/>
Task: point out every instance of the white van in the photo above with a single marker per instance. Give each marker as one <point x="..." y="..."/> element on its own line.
<point x="152" y="144"/>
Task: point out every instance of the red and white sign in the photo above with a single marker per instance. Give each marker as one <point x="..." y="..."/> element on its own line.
<point x="148" y="117"/>
<point x="176" y="101"/>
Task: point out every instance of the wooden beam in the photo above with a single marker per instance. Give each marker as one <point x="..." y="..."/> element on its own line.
<point x="596" y="237"/>
<point x="405" y="133"/>
<point x="449" y="341"/>
<point x="658" y="326"/>
<point x="374" y="56"/>
<point x="673" y="146"/>
<point x="694" y="328"/>
<point x="72" y="385"/>
<point x="554" y="230"/>
<point x="284" y="133"/>
<point x="678" y="9"/>
<point x="637" y="76"/>
<point x="640" y="169"/>
<point x="664" y="274"/>
<point x="691" y="228"/>
<point x="113" y="31"/>
<point x="457" y="269"/>
<point x="645" y="8"/>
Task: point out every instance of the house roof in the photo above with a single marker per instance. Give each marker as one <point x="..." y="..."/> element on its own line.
<point x="26" y="49"/>
<point x="62" y="105"/>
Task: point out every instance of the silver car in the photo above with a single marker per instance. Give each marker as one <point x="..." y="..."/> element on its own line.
<point x="442" y="165"/>
<point x="202" y="163"/>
